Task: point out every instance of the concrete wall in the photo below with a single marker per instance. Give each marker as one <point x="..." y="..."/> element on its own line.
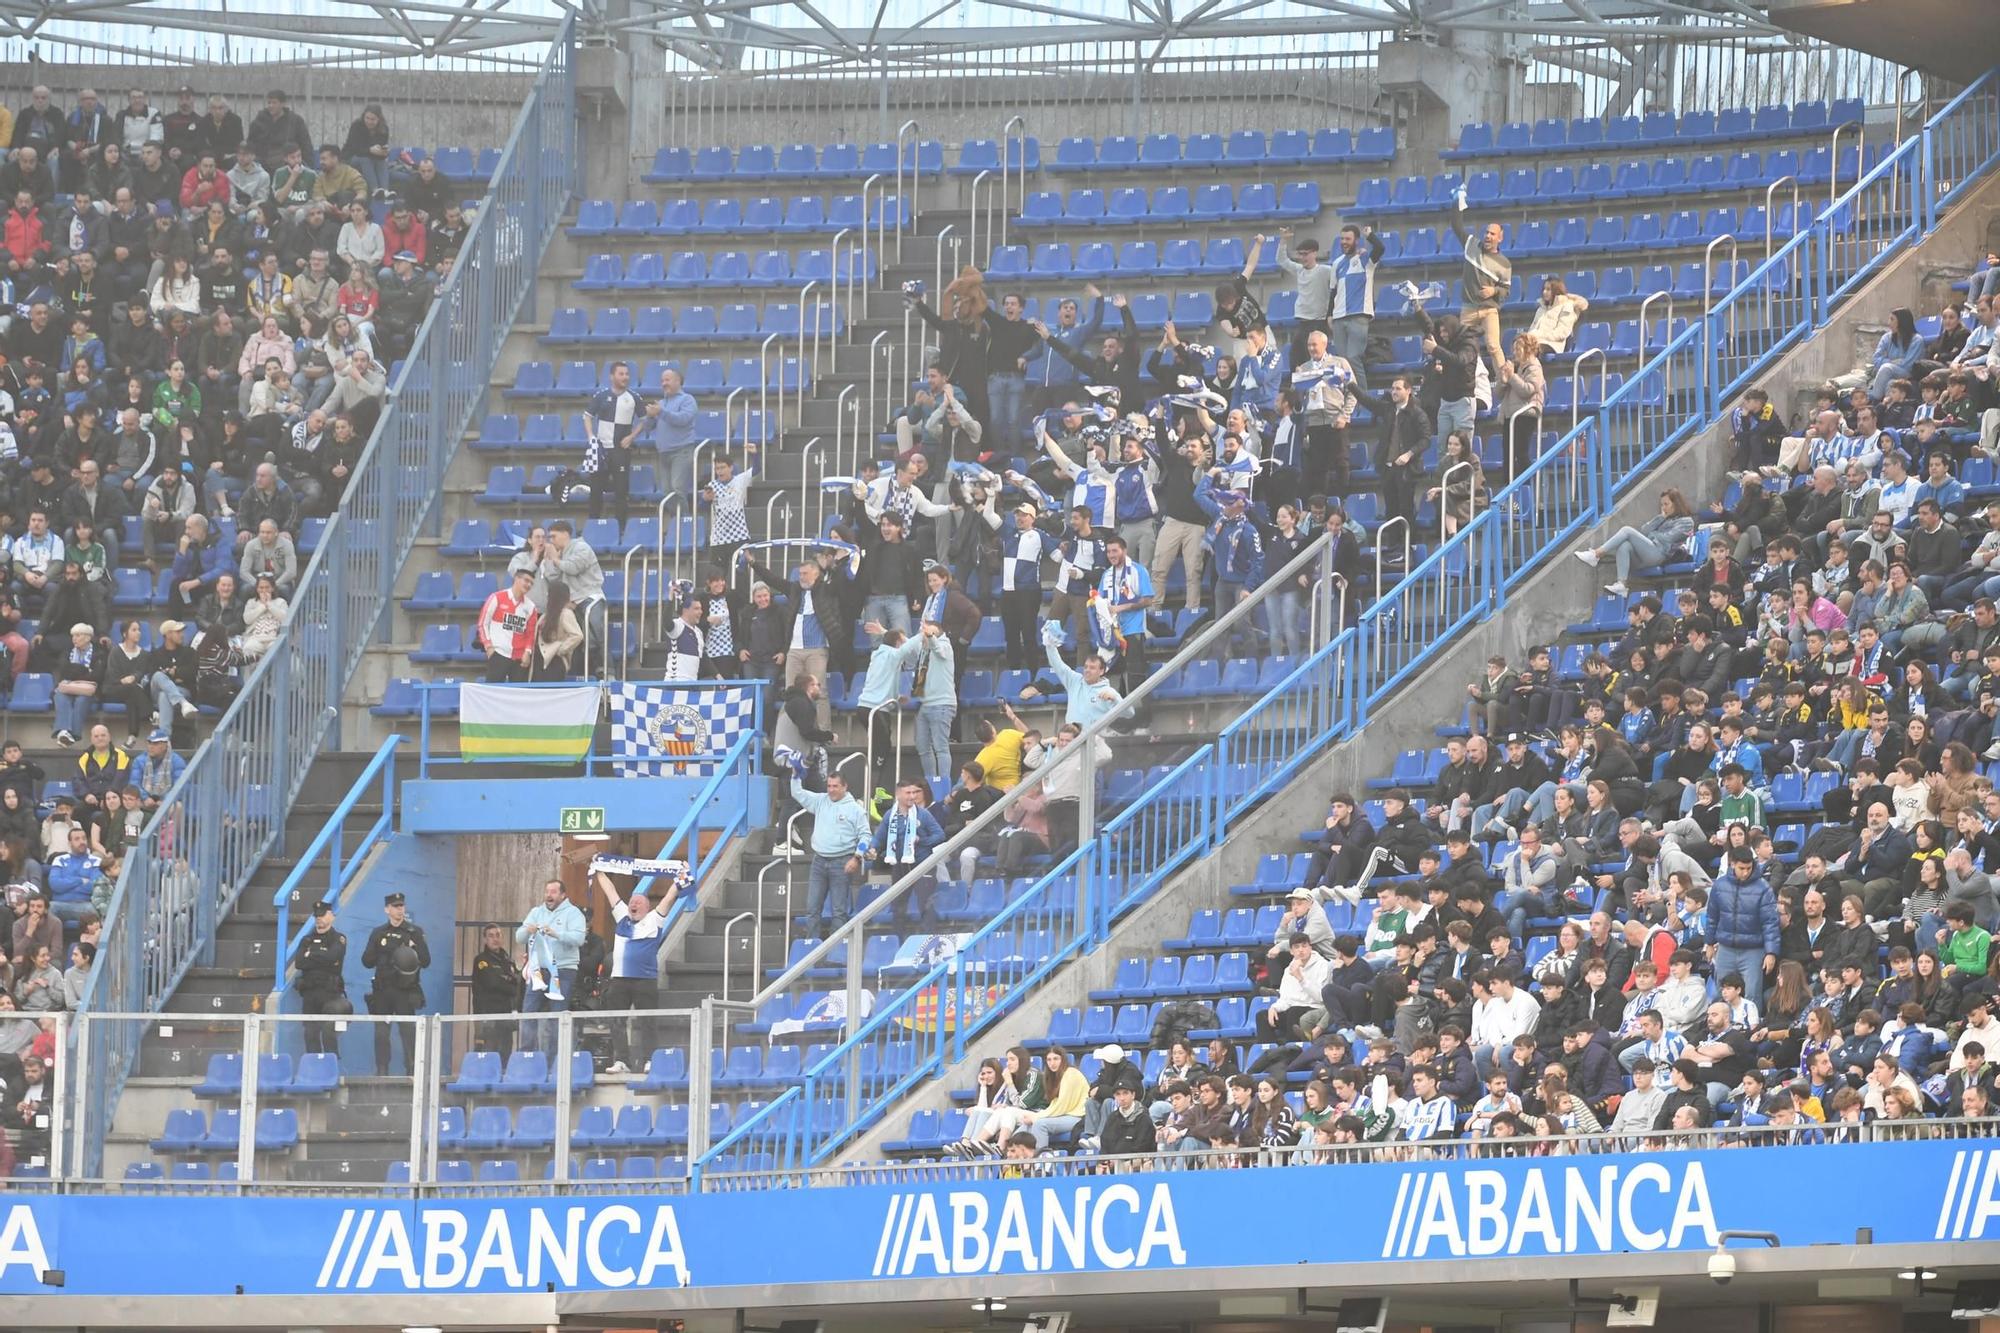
<point x="1536" y="613"/>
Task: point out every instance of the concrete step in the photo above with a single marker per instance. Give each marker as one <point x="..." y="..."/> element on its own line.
<point x="366" y="1119"/>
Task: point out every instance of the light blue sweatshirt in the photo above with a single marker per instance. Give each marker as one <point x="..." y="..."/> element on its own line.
<point x="840" y="828"/>
<point x="564" y="944"/>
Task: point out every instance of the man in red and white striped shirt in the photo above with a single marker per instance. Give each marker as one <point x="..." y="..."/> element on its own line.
<point x="506" y="629"/>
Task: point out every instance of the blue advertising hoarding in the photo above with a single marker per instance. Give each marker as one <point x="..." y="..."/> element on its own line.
<point x="1141" y="1222"/>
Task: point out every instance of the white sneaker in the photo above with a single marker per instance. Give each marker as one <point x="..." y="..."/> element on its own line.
<point x="617" y="1067"/>
<point x="1588" y="556"/>
<point x="187" y="708"/>
<point x="1617" y="589"/>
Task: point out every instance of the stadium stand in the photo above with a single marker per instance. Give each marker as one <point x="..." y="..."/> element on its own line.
<point x="1184" y="248"/>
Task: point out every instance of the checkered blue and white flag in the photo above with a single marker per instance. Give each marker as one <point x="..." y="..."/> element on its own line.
<point x="662" y="731"/>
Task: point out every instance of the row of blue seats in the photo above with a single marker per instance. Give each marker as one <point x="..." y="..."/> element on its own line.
<point x="1605" y="235"/>
<point x="658" y="323"/>
<point x="729" y="217"/>
<point x="504" y="1171"/>
<point x="1240" y="148"/>
<point x="1170" y="205"/>
<point x="190" y="1130"/>
<point x="525" y="1073"/>
<point x="435" y="591"/>
<point x="503" y="430"/>
<point x="477" y="537"/>
<point x="1124" y="152"/>
<point x="314" y="1075"/>
<point x="730" y="268"/>
<point x="703" y="375"/>
<point x="1634" y="178"/>
<point x="1481" y="138"/>
<point x="509" y="484"/>
<point x="796" y="161"/>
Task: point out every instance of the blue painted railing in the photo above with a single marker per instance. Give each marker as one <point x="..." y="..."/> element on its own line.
<point x="230" y="807"/>
<point x="342" y="861"/>
<point x="739" y="769"/>
<point x="1572" y="486"/>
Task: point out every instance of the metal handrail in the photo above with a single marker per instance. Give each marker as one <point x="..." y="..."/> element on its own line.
<point x="729" y="928"/>
<point x="729" y="407"/>
<point x="805" y="376"/>
<point x="784" y="858"/>
<point x="1006" y="137"/>
<point x="1770" y="210"/>
<point x="855" y="452"/>
<point x="1216" y="631"/>
<point x="382" y="766"/>
<point x="937" y="266"/>
<point x="881" y="224"/>
<point x="893" y="701"/>
<point x="764" y="381"/>
<point x="1576" y="379"/>
<point x="879" y="380"/>
<point x="806" y="457"/>
<point x="1381" y="531"/>
<point x="1645" y="324"/>
<point x="1444" y="499"/>
<point x="908" y="127"/>
<point x="1833" y="162"/>
<point x="625" y="604"/>
<point x="972" y="224"/>
<point x="1708" y="269"/>
<point x="840" y="414"/>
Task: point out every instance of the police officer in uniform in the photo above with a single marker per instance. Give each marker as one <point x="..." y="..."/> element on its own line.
<point x="397" y="953"/>
<point x="321" y="958"/>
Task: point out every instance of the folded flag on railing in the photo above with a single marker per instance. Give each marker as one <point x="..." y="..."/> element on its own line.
<point x="828" y="1011"/>
<point x="1414" y="296"/>
<point x="679" y="873"/>
<point x="920" y="953"/>
<point x="524" y="722"/>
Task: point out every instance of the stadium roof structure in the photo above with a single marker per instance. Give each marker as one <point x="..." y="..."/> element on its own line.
<point x="850" y="34"/>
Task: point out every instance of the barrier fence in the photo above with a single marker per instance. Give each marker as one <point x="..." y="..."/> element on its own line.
<point x="1749" y="317"/>
<point x="230" y="807"/>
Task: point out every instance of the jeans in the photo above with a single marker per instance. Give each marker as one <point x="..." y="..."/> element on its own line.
<point x="1053" y="1126"/>
<point x="1627" y="543"/>
<point x="1454" y="414"/>
<point x="1287" y="611"/>
<point x="541" y="1034"/>
<point x="934" y="740"/>
<point x="73" y="712"/>
<point x="374" y="170"/>
<point x="167" y="696"/>
<point x="677" y="472"/>
<point x="1749" y="963"/>
<point x="1348" y="337"/>
<point x="889" y="612"/>
<point x="1006" y="395"/>
<point x="828" y="886"/>
<point x="1521" y="906"/>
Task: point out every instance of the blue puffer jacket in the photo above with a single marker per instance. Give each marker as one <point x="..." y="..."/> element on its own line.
<point x="1742" y="915"/>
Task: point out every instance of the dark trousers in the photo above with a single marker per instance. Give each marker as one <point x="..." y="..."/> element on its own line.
<point x="497" y="1035"/>
<point x="405" y="1032"/>
<point x="319" y="1037"/>
<point x="504" y="670"/>
<point x="630" y="1036"/>
<point x="1327" y="468"/>
<point x="1020" y="615"/>
<point x="614" y="473"/>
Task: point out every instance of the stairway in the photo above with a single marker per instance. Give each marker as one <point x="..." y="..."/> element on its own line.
<point x="239" y="977"/>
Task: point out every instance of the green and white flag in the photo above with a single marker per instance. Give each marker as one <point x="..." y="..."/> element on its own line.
<point x="512" y="722"/>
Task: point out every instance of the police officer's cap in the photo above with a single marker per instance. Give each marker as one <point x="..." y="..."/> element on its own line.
<point x="322" y="907"/>
<point x="392" y="900"/>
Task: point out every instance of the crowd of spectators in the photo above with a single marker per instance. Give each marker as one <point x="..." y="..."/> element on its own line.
<point x="194" y="349"/>
<point x="1734" y="869"/>
<point x="196" y="323"/>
